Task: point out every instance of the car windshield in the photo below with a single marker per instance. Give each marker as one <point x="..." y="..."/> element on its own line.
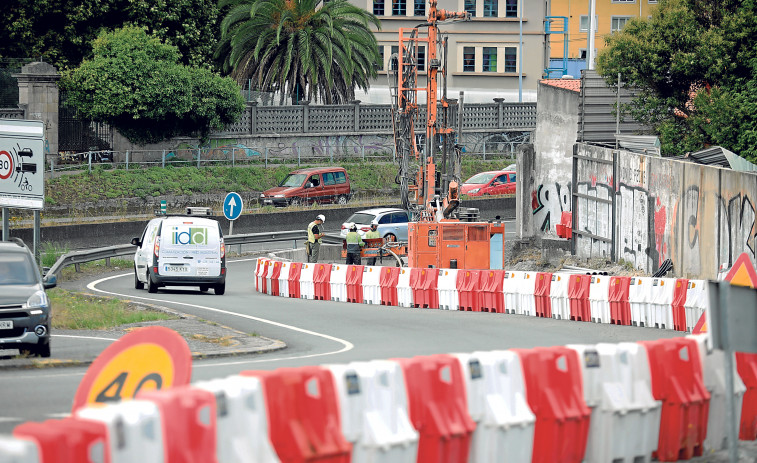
<point x="362" y="218"/>
<point x="16" y="269"/>
<point x="293" y="180"/>
<point x="483" y="177"/>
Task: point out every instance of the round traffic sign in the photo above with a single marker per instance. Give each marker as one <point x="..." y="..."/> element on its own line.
<point x="154" y="357"/>
<point x="232" y="206"/>
<point x="6" y="165"/>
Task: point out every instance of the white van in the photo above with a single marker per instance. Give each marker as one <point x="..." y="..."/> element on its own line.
<point x="180" y="251"/>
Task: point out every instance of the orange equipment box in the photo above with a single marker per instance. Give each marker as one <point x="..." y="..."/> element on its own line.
<point x="451" y="244"/>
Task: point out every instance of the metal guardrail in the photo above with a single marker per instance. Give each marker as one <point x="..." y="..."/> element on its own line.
<point x="90" y="255"/>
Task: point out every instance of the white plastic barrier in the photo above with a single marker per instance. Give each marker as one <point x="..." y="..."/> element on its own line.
<point x="625" y="417"/>
<point x="371" y="286"/>
<point x="284" y="279"/>
<point x="599" y="298"/>
<point x="135" y="430"/>
<point x="259" y="271"/>
<point x="639" y="292"/>
<point x="558" y="296"/>
<point x="497" y="403"/>
<point x="660" y="309"/>
<point x="511" y="291"/>
<point x="338" y="282"/>
<point x="404" y="292"/>
<point x="374" y="411"/>
<point x="449" y="299"/>
<point x="526" y="289"/>
<point x="696" y="303"/>
<point x="242" y="422"/>
<point x="13" y="450"/>
<point x="713" y="366"/>
<point x="267" y="275"/>
<point x="307" y="287"/>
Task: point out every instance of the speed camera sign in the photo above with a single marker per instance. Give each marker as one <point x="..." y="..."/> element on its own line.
<point x="22" y="164"/>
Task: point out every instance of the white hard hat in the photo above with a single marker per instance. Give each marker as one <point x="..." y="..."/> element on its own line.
<point x="373" y="222"/>
<point x="321" y="217"/>
<point x="353" y="226"/>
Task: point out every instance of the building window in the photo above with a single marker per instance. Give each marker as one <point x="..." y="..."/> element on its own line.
<point x="421" y="58"/>
<point x="511" y="8"/>
<point x="419" y="8"/>
<point x="469" y="59"/>
<point x="490" y="8"/>
<point x="470" y="7"/>
<point x="393" y="65"/>
<point x="511" y="59"/>
<point x="489" y="62"/>
<point x="399" y="7"/>
<point x="378" y="7"/>
<point x="583" y="25"/>
<point x="623" y="1"/>
<point x="652" y="1"/>
<point x="618" y="23"/>
<point x="581" y="53"/>
<point x="381" y="59"/>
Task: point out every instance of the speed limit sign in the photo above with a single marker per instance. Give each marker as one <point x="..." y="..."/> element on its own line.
<point x="6" y="165"/>
<point x="22" y="164"/>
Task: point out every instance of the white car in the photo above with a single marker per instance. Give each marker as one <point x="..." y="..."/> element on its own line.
<point x="392" y="223"/>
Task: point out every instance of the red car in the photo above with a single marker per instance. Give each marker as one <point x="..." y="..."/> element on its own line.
<point x="495" y="182"/>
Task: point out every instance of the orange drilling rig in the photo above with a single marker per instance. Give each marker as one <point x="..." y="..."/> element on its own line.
<point x="440" y="233"/>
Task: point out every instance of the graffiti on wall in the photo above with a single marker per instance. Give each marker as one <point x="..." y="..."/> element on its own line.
<point x="215" y="150"/>
<point x="502" y="143"/>
<point x="352" y="145"/>
<point x="595" y="217"/>
<point x="548" y="202"/>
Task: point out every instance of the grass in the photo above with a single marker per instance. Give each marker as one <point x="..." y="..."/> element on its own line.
<point x="77" y="311"/>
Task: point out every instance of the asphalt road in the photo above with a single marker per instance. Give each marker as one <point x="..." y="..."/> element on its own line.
<point x="315" y="332"/>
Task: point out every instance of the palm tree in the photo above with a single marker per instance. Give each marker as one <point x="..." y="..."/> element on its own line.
<point x="291" y="46"/>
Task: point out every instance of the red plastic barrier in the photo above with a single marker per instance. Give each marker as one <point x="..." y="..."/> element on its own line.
<point x="423" y="282"/>
<point x="303" y="415"/>
<point x="677" y="381"/>
<point x="679" y="301"/>
<point x="67" y="440"/>
<point x="322" y="282"/>
<point x="263" y="279"/>
<point x="295" y="269"/>
<point x="554" y="390"/>
<point x="541" y="295"/>
<point x="620" y="308"/>
<point x="188" y="420"/>
<point x="388" y="280"/>
<point x="492" y="297"/>
<point x="578" y="292"/>
<point x="275" y="278"/>
<point x="355" y="283"/>
<point x="468" y="290"/>
<point x="746" y="364"/>
<point x="438" y="408"/>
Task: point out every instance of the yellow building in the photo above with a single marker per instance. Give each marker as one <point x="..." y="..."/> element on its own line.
<point x="610" y="16"/>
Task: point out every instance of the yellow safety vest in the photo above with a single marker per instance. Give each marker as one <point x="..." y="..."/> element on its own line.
<point x="372" y="235"/>
<point x="311" y="235"/>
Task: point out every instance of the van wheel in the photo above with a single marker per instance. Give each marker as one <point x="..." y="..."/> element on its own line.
<point x="391" y="238"/>
<point x="137" y="284"/>
<point x="220" y="289"/>
<point x="151" y="287"/>
<point x="40" y="350"/>
<point x="295" y="201"/>
<point x="342" y="200"/>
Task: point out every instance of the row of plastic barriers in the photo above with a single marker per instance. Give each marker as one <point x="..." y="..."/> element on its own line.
<point x="668" y="303"/>
<point x="626" y="402"/>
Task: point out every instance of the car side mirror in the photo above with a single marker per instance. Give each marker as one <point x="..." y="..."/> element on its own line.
<point x="50" y="281"/>
<point x="136" y="242"/>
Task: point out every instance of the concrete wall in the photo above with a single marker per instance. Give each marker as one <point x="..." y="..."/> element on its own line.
<point x="698" y="216"/>
<point x="38" y="95"/>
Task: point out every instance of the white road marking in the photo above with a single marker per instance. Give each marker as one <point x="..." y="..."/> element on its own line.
<point x="82" y="337"/>
<point x="347" y="346"/>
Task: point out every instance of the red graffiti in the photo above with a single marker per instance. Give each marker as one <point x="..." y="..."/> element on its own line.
<point x="660" y="222"/>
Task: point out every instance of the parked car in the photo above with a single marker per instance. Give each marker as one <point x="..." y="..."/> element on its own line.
<point x="392" y="223"/>
<point x="25" y="314"/>
<point x="180" y="251"/>
<point x="307" y="186"/>
<point x="496" y="182"/>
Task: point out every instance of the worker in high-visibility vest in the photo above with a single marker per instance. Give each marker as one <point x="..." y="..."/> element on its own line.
<point x="315" y="235"/>
<point x="354" y="244"/>
<point x="372" y="234"/>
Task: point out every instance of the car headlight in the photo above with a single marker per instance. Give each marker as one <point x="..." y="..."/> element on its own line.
<point x="278" y="196"/>
<point x="475" y="190"/>
<point x="262" y="195"/>
<point x="37" y="300"/>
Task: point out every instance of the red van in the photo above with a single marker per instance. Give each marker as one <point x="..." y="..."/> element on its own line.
<point x="307" y="186"/>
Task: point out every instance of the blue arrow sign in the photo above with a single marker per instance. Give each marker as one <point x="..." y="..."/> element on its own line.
<point x="232" y="206"/>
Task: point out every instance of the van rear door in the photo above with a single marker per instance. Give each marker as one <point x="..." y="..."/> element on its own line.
<point x="190" y="247"/>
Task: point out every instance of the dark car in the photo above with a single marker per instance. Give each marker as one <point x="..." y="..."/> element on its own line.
<point x="308" y="186"/>
<point x="25" y="314"/>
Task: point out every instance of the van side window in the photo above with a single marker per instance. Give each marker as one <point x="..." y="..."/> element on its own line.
<point x="512" y="178"/>
<point x="399" y="217"/>
<point x="385" y="219"/>
<point x="340" y="178"/>
<point x="328" y="178"/>
<point x="315" y="180"/>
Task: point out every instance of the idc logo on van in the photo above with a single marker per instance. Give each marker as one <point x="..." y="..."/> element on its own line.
<point x="197" y="236"/>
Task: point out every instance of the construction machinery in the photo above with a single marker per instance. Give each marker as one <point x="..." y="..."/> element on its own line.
<point x="440" y="233"/>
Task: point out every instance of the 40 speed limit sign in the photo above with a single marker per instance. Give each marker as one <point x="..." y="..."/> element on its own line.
<point x="22" y="164"/>
<point x="145" y="359"/>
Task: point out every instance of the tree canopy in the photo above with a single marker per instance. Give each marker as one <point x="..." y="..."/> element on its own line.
<point x="694" y="63"/>
<point x="291" y="46"/>
<point x="60" y="31"/>
<point x="135" y="83"/>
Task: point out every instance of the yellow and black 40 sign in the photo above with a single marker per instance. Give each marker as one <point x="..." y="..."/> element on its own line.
<point x="145" y="359"/>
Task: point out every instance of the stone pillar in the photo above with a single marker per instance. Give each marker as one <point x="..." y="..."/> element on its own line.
<point x="38" y="96"/>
